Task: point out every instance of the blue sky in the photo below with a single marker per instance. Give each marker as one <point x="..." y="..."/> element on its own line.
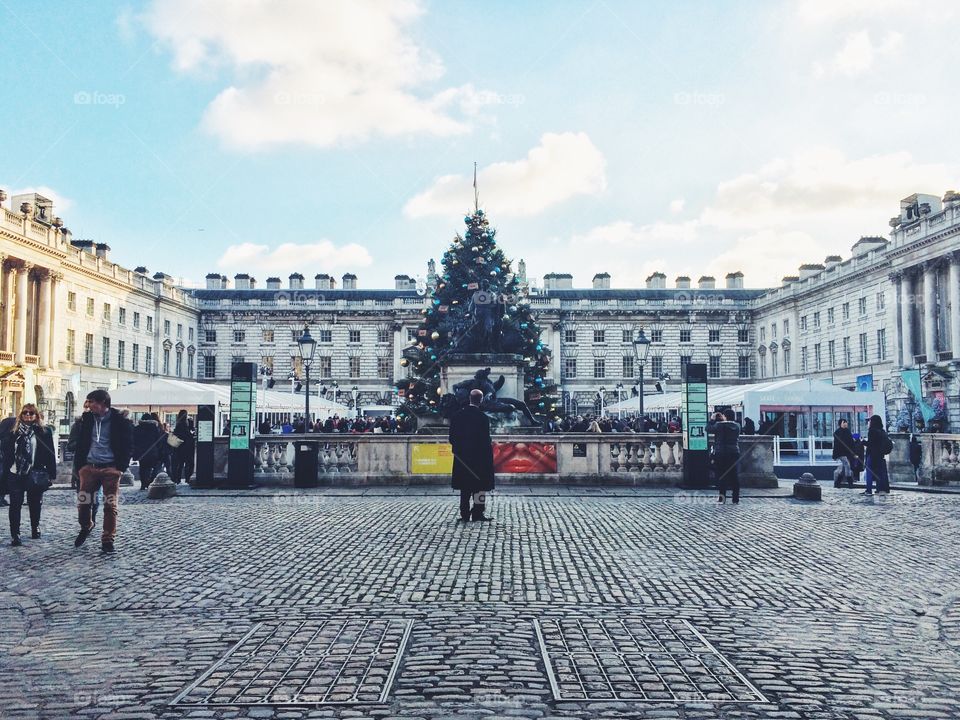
<point x="688" y="137"/>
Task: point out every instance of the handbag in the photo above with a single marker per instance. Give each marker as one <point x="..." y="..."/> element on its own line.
<point x="173" y="441"/>
<point x="37" y="481"/>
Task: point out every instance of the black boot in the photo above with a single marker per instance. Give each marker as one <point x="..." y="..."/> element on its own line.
<point x="477" y="514"/>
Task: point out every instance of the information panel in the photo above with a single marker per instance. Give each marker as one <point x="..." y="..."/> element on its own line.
<point x="696" y="467"/>
<point x="243" y="413"/>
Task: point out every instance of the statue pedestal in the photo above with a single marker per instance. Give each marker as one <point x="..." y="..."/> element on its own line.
<point x="463" y="366"/>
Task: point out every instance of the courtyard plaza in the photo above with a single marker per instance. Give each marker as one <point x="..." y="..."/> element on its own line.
<point x="573" y="603"/>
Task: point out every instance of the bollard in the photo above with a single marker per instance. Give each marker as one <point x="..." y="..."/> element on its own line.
<point x="162" y="487"/>
<point x="127" y="478"/>
<point x="807" y="488"/>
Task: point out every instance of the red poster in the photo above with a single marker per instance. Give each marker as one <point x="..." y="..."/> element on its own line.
<point x="524" y="457"/>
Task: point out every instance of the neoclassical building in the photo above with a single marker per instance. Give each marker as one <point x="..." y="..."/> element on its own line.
<point x="72" y="320"/>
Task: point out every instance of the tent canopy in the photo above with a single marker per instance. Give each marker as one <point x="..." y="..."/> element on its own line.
<point x="754" y="397"/>
<point x="156" y="392"/>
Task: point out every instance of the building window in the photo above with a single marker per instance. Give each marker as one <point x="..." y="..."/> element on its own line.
<point x="786" y="361"/>
<point x="383" y="335"/>
<point x="72" y="301"/>
<point x="166" y="328"/>
<point x="239" y="336"/>
<point x="88" y="349"/>
<point x="786" y="328"/>
<point x="89" y="307"/>
<point x="136" y="357"/>
<point x="71" y="345"/>
<point x="266" y="364"/>
<point x="774" y="369"/>
<point x="743" y="335"/>
<point x="628" y="366"/>
<point x="743" y="366"/>
<point x="656" y="366"/>
<point x="628" y="336"/>
<point x="106" y="312"/>
<point x="236" y="359"/>
<point x="210" y="336"/>
<point x="846" y="352"/>
<point x="599" y="367"/>
<point x="209" y="367"/>
<point x="816" y="357"/>
<point x="268" y="336"/>
<point x="354" y="367"/>
<point x="763" y="334"/>
<point x="326" y="366"/>
<point x="863" y="348"/>
<point x="685" y="360"/>
<point x="714" y="366"/>
<point x="384" y="368"/>
<point x="803" y="323"/>
<point x="845" y="311"/>
<point x="179" y="363"/>
<point x="570" y="336"/>
<point x="598" y="336"/>
<point x="326" y="336"/>
<point x="881" y="302"/>
<point x="656" y="336"/>
<point x="570" y="367"/>
<point x="166" y="361"/>
<point x="106" y="352"/>
<point x="714" y="335"/>
<point x="190" y="366"/>
<point x="296" y="366"/>
<point x="179" y="331"/>
<point x="136" y="321"/>
<point x="832" y="353"/>
<point x="684" y="335"/>
<point x="148" y="360"/>
<point x="122" y="316"/>
<point x="354" y="337"/>
<point x="411" y="335"/>
<point x="121" y="351"/>
<point x="816" y="320"/>
<point x="830" y="316"/>
<point x="773" y="331"/>
<point x="862" y="305"/>
<point x="803" y="359"/>
<point x="881" y="344"/>
<point x="190" y="334"/>
<point x="149" y="323"/>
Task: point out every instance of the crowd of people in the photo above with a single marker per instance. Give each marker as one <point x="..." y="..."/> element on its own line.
<point x="337" y="424"/>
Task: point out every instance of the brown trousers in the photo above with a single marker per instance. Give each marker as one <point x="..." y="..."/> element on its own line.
<point x="91" y="478"/>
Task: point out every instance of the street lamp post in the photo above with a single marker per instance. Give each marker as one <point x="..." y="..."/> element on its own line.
<point x="619" y="400"/>
<point x="336" y="390"/>
<point x="307" y="347"/>
<point x="354" y="391"/>
<point x="602" y="391"/>
<point x="641" y="346"/>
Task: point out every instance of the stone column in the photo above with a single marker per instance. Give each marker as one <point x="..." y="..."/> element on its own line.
<point x="43" y="323"/>
<point x="52" y="357"/>
<point x="4" y="303"/>
<point x="907" y="307"/>
<point x="954" y="295"/>
<point x="930" y="311"/>
<point x="23" y="280"/>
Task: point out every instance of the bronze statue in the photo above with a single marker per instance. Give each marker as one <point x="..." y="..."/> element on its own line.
<point x="491" y="403"/>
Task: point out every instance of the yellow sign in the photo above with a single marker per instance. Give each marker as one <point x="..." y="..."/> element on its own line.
<point x="431" y="459"/>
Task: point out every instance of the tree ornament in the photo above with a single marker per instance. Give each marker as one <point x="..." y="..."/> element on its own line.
<point x="435" y="335"/>
<point x="404" y="362"/>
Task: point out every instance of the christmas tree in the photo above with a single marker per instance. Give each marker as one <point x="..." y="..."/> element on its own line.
<point x="476" y="305"/>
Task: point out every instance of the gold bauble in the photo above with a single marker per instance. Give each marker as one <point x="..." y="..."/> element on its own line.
<point x="404" y="362"/>
<point x="435" y="335"/>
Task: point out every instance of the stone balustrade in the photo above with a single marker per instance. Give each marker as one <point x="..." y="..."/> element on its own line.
<point x="939" y="459"/>
<point x="584" y="458"/>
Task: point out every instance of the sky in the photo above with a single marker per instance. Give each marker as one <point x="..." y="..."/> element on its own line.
<point x="278" y="136"/>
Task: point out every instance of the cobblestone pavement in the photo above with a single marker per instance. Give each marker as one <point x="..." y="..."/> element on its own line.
<point x="377" y="604"/>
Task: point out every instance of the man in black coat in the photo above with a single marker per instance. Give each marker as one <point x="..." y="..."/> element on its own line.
<point x="472" y="458"/>
<point x="148" y="446"/>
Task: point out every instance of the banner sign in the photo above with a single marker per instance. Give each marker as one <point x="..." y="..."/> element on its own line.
<point x="911" y="378"/>
<point x="431" y="459"/>
<point x="524" y="457"/>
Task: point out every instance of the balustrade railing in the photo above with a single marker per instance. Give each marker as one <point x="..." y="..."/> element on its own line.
<point x="275" y="455"/>
<point x="647" y="455"/>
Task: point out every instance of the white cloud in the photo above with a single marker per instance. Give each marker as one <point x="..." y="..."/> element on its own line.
<point x="676" y="206"/>
<point x="562" y="166"/>
<point x="61" y="203"/>
<point x="290" y="257"/>
<point x="827" y="12"/>
<point x="858" y="54"/>
<point x="317" y="73"/>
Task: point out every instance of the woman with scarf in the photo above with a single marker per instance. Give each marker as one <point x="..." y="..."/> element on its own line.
<point x="30" y="466"/>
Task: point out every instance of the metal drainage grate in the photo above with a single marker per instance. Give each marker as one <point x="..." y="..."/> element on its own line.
<point x="309" y="663"/>
<point x="638" y="660"/>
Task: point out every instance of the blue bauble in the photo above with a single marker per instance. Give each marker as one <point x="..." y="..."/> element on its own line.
<point x="467" y="219"/>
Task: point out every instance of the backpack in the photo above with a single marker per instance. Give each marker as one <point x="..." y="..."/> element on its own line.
<point x="887" y="445"/>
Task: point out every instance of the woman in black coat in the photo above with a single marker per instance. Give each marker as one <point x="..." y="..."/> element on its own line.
<point x="843" y="450"/>
<point x="28" y="455"/>
<point x="182" y="453"/>
<point x="879" y="445"/>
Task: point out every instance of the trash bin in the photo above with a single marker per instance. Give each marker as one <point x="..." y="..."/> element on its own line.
<point x="305" y="467"/>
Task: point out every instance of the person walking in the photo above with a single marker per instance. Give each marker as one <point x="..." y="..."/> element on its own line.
<point x="472" y="458"/>
<point x="726" y="454"/>
<point x="6" y="427"/>
<point x="915" y="455"/>
<point x="182" y="445"/>
<point x="72" y="442"/>
<point x="147" y="439"/>
<point x="844" y="453"/>
<point x="29" y="466"/>
<point x="104" y="448"/>
<point x="879" y="445"/>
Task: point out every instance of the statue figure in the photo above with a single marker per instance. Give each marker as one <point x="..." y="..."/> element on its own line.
<point x="487" y="314"/>
<point x="491" y="403"/>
